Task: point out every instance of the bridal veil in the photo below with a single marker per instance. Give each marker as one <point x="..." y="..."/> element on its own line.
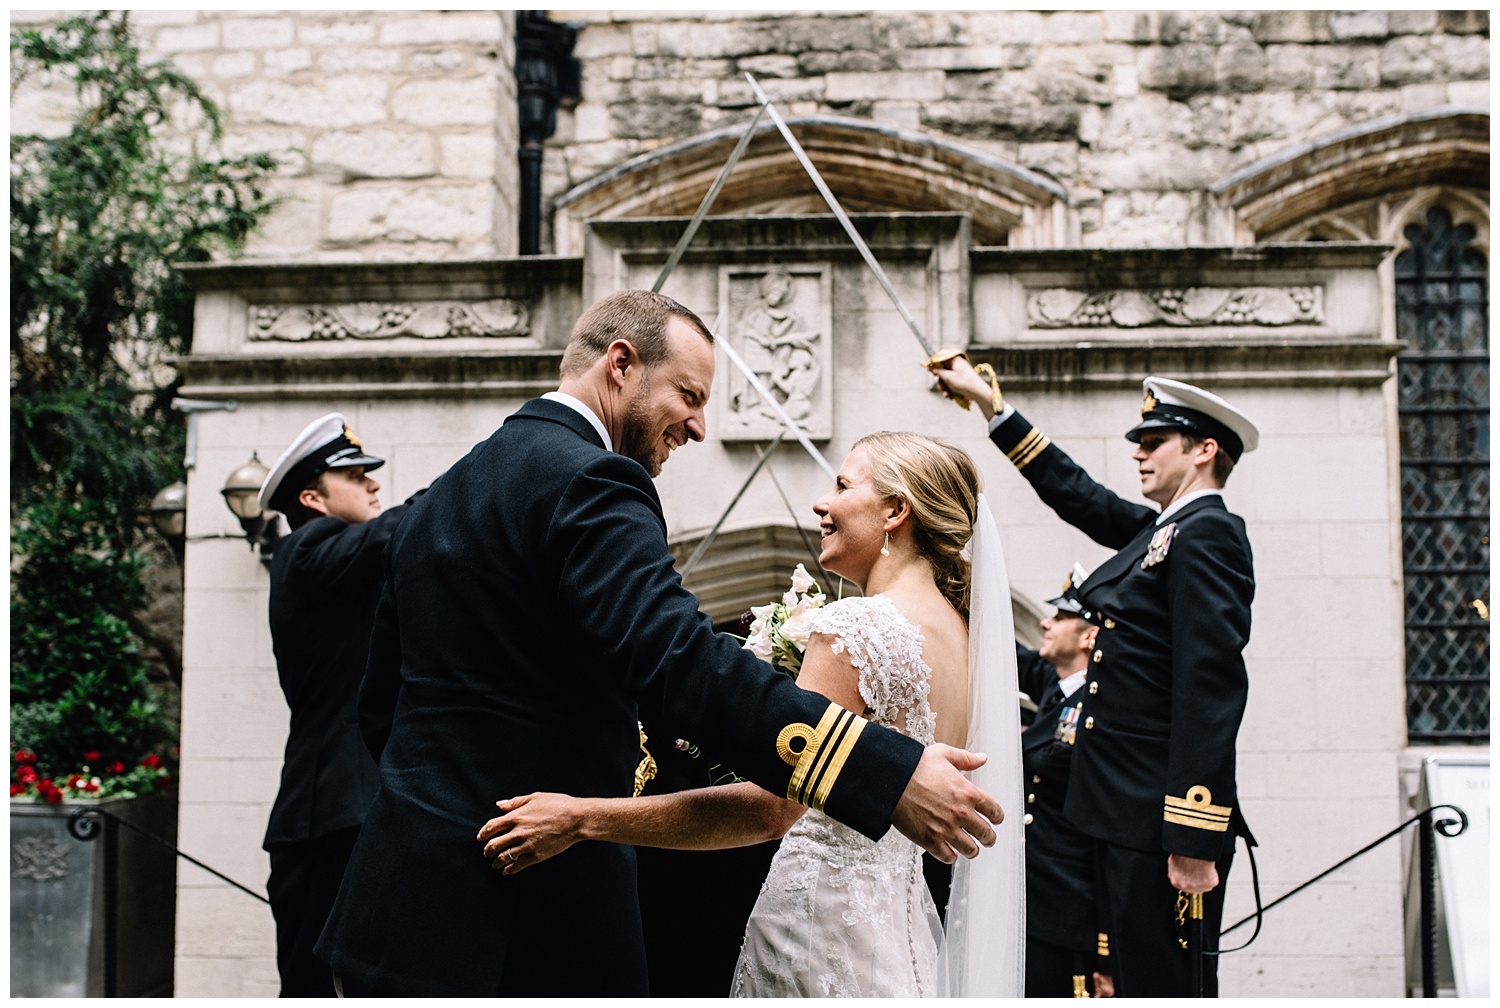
<point x="983" y="950"/>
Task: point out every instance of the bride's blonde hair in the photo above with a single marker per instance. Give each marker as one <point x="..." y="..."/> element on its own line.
<point x="940" y="483"/>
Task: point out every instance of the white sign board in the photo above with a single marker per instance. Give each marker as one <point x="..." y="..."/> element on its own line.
<point x="1463" y="865"/>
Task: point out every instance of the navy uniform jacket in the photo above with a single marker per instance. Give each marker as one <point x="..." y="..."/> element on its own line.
<point x="1059" y="857"/>
<point x="532" y="616"/>
<point x="1154" y="764"/>
<point x="325" y="582"/>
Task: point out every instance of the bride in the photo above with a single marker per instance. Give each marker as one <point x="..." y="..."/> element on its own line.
<point x="841" y="915"/>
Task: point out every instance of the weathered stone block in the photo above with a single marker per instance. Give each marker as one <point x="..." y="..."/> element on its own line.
<point x="237" y="64"/>
<point x="360" y="60"/>
<point x="191" y="38"/>
<point x="596" y="40"/>
<point x="286" y="61"/>
<point x="1241" y="66"/>
<point x="769" y="66"/>
<point x="141" y="18"/>
<point x="1475" y="93"/>
<point x="401" y="214"/>
<point x="336" y="33"/>
<point x="1407" y="60"/>
<point x="1345" y="25"/>
<point x="1465" y="22"/>
<point x="1176" y="27"/>
<point x="649" y="118"/>
<point x="1463" y="56"/>
<point x="1074" y="27"/>
<point x="1138" y="27"/>
<point x="374" y="153"/>
<point x="1415" y="97"/>
<point x="340" y="101"/>
<point x="907" y="115"/>
<point x="1013" y="120"/>
<point x="480" y="28"/>
<point x="657" y="68"/>
<point x="800" y="34"/>
<point x="1411" y="22"/>
<point x="1180" y="71"/>
<point x="468" y="155"/>
<point x="952" y="58"/>
<point x="1347" y="68"/>
<point x="468" y="102"/>
<point x="1292" y="26"/>
<point x="708" y="69"/>
<point x="736" y="93"/>
<point x="1060" y="160"/>
<point x="916" y="85"/>
<point x="1290" y="67"/>
<point x="590" y="122"/>
<point x="258" y="33"/>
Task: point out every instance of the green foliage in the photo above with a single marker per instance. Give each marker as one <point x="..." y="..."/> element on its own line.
<point x="78" y="680"/>
<point x="98" y="217"/>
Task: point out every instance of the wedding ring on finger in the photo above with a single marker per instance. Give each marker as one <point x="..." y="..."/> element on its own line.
<point x="510" y="856"/>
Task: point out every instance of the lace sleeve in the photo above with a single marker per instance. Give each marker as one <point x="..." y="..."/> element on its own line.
<point x="886" y="650"/>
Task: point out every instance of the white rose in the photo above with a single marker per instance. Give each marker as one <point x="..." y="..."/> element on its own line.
<point x="801" y="580"/>
<point x="798" y="626"/>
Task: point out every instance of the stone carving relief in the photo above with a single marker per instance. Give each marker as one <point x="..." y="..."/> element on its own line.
<point x="1061" y="307"/>
<point x="780" y="322"/>
<point x="41" y="859"/>
<point x="366" y="320"/>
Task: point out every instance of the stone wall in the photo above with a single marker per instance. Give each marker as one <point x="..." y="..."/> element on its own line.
<point x="1136" y="113"/>
<point x="396" y="130"/>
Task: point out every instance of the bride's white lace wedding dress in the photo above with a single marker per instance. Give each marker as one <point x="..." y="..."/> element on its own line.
<point x="841" y="915"/>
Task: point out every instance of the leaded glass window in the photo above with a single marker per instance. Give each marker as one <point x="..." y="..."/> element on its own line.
<point x="1442" y="314"/>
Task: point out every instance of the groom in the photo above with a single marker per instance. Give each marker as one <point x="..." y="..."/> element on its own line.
<point x="531" y="616"/>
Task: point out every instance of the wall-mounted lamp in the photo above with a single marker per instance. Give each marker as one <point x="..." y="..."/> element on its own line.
<point x="242" y="494"/>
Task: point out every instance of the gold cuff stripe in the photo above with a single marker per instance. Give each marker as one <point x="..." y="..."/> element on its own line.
<point x="836" y="760"/>
<point x="1033" y="448"/>
<point x="814" y="781"/>
<point x="810" y="752"/>
<point x="1103" y="949"/>
<point x="1198" y="822"/>
<point x="1031" y="438"/>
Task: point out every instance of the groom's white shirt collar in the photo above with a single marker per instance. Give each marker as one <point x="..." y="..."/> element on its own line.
<point x="1071" y="683"/>
<point x="585" y="412"/>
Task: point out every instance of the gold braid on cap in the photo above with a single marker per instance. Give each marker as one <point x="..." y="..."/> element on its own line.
<point x="997" y="401"/>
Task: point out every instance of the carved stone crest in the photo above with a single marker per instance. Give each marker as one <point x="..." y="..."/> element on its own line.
<point x="1065" y="308"/>
<point x="364" y="320"/>
<point x="40" y="859"/>
<point x="779" y="320"/>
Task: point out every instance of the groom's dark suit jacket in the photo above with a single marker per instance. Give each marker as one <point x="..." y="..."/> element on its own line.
<point x="531" y="615"/>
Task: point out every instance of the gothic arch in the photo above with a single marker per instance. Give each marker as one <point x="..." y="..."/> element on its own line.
<point x="1355" y="184"/>
<point x="871" y="168"/>
<point x="751" y="565"/>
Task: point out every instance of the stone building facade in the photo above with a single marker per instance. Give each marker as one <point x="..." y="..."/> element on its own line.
<point x="1081" y="197"/>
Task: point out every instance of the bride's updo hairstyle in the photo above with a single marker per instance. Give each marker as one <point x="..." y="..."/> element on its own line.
<point x="940" y="483"/>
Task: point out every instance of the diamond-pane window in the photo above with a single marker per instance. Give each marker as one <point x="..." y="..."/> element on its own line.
<point x="1442" y="313"/>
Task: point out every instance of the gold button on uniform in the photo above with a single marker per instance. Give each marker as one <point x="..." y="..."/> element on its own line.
<point x="1036" y="778"/>
<point x="1031" y="799"/>
<point x="1028" y="819"/>
<point x="1098" y="656"/>
<point x="1109" y="624"/>
<point x="1088" y="722"/>
<point x="1093" y="687"/>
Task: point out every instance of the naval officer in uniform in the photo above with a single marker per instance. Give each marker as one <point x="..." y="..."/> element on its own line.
<point x="532" y="618"/>
<point x="1064" y="932"/>
<point x="325" y="583"/>
<point x="1153" y="776"/>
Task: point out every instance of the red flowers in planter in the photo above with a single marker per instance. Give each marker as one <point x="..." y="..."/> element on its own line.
<point x="114" y="781"/>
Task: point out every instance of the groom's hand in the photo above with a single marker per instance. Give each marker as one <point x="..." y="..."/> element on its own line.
<point x="941" y="811"/>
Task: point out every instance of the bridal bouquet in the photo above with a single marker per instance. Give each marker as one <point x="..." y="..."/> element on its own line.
<point x="778" y="632"/>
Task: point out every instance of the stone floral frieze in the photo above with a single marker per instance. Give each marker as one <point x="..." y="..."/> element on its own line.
<point x="372" y="320"/>
<point x="1067" y="308"/>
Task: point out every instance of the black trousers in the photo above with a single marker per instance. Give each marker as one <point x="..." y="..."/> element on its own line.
<point x="1050" y="969"/>
<point x="1147" y="958"/>
<point x="304" y="880"/>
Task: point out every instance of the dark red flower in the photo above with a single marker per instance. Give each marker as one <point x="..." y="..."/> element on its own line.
<point x="117" y="767"/>
<point x="90" y="757"/>
<point x="152" y="760"/>
<point x="73" y="780"/>
<point x="54" y="796"/>
<point x="17" y="789"/>
<point x="90" y="787"/>
<point x="25" y="756"/>
<point x="746" y="622"/>
<point x="26" y="774"/>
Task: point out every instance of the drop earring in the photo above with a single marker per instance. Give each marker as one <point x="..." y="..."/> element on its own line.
<point x="886" y="549"/>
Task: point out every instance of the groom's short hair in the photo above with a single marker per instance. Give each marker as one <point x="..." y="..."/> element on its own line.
<point x="638" y="316"/>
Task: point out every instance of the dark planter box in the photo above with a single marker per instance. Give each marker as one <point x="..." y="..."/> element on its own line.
<point x="59" y="933"/>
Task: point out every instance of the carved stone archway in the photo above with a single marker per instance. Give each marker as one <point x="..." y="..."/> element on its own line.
<point x="1355" y="184"/>
<point x="871" y="168"/>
